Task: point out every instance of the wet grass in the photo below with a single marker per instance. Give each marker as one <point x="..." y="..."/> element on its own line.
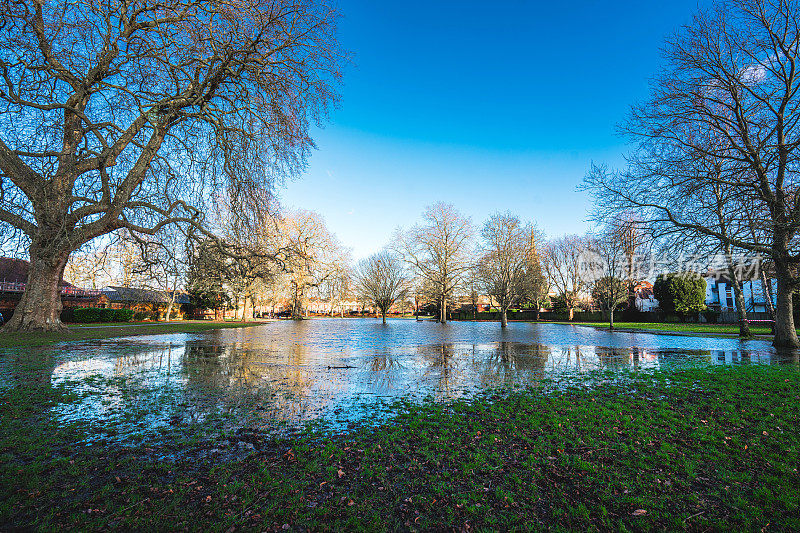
<point x="678" y="328"/>
<point x="81" y="332"/>
<point x="696" y="449"/>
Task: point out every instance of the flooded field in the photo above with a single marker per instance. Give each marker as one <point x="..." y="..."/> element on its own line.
<point x="286" y="373"/>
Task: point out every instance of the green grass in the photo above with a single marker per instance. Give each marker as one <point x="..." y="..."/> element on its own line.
<point x="698" y="449"/>
<point x="677" y="327"/>
<point x="81" y="332"/>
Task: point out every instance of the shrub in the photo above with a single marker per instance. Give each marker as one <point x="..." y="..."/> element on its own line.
<point x="680" y="294"/>
<point x="123" y="315"/>
<point x="84" y="315"/>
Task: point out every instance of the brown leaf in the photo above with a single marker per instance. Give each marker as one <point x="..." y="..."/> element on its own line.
<point x="639" y="512"/>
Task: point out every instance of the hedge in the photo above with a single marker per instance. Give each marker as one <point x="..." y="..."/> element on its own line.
<point x="95" y="314"/>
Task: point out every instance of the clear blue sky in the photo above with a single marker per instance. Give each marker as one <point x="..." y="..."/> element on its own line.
<point x="487" y="105"/>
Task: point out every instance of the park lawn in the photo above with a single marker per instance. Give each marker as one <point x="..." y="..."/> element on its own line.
<point x="678" y="327"/>
<point x="82" y="332"/>
<point x="696" y="449"/>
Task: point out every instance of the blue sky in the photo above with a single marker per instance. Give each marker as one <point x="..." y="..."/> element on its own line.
<point x="491" y="106"/>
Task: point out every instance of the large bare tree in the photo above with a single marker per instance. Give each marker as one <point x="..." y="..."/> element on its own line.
<point x="728" y="94"/>
<point x="133" y="113"/>
<point x="382" y="279"/>
<point x="440" y="251"/>
<point x="505" y="268"/>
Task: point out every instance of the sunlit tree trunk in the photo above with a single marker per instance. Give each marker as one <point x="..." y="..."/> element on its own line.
<point x="39" y="309"/>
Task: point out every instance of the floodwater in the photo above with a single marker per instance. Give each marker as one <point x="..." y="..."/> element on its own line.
<point x="284" y="374"/>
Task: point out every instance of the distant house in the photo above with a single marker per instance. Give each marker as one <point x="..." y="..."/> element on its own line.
<point x="147" y="300"/>
<point x="720" y="294"/>
<point x="645" y="300"/>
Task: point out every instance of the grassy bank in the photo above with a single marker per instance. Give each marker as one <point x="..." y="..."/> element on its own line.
<point x="81" y="332"/>
<point x="672" y="327"/>
<point x="697" y="449"/>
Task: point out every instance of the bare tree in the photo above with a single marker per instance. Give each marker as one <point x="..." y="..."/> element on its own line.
<point x="504" y="270"/>
<point x="316" y="255"/>
<point x="472" y="286"/>
<point x="253" y="246"/>
<point x="611" y="262"/>
<point x="382" y="280"/>
<point x="565" y="266"/>
<point x="163" y="263"/>
<point x="440" y="251"/>
<point x="132" y="115"/>
<point x="339" y="285"/>
<point x="728" y="93"/>
<point x="89" y="267"/>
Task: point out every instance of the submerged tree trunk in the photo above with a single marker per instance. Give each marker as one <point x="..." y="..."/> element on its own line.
<point x="39" y="308"/>
<point x="785" y="332"/>
<point x="611" y="318"/>
<point x="741" y="311"/>
<point x="383" y="314"/>
<point x="443" y="311"/>
<point x="503" y="318"/>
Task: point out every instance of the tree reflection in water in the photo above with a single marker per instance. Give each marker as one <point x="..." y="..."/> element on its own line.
<point x="286" y="373"/>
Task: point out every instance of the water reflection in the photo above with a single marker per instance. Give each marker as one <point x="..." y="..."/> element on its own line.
<point x="290" y="372"/>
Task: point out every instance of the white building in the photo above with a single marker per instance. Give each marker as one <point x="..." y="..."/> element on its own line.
<point x="720" y="295"/>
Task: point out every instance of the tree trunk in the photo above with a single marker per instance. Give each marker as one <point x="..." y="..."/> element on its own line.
<point x="246" y="310"/>
<point x="741" y="311"/>
<point x="443" y="312"/>
<point x="39" y="309"/>
<point x="611" y="318"/>
<point x="766" y="289"/>
<point x="571" y="313"/>
<point x="503" y="318"/>
<point x="785" y="332"/>
<point x="383" y="314"/>
<point x="170" y="305"/>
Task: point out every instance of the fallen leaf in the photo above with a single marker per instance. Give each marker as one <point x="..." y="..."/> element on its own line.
<point x="639" y="512"/>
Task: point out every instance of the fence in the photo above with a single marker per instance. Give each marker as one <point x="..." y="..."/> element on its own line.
<point x="72" y="292"/>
